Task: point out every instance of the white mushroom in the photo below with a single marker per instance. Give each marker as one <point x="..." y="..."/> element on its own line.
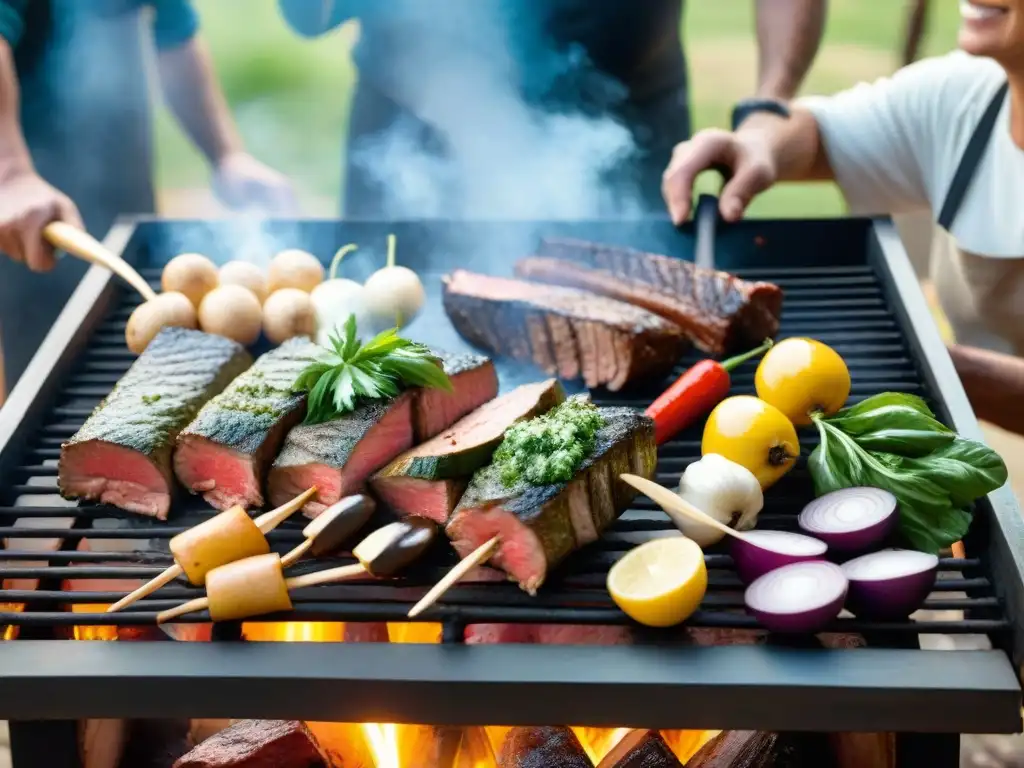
<point x="191" y="274"/>
<point x="394" y="295"/>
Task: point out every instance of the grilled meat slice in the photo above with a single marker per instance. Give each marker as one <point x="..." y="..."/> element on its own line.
<point x="338" y="456"/>
<point x="542" y="747"/>
<point x="429" y="479"/>
<point x="548" y="634"/>
<point x="717" y="310"/>
<point x="641" y="749"/>
<point x="474" y="382"/>
<point x="122" y="454"/>
<point x="565" y="332"/>
<point x="224" y="454"/>
<point x="540" y="526"/>
<point x="257" y="744"/>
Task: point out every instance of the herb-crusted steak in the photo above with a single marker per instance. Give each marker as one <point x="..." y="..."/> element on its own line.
<point x="429" y="479"/>
<point x="225" y="452"/>
<point x="474" y="382"/>
<point x="565" y="332"/>
<point x="122" y="454"/>
<point x="717" y="310"/>
<point x="338" y="456"/>
<point x="540" y="526"/>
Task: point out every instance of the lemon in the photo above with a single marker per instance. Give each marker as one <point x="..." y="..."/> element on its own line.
<point x="660" y="583"/>
<point x="801" y="377"/>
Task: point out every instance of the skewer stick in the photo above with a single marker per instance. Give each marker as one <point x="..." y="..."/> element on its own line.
<point x="265" y="522"/>
<point x="82" y="245"/>
<point x="673" y="504"/>
<point x="479" y="555"/>
<point x="329" y="576"/>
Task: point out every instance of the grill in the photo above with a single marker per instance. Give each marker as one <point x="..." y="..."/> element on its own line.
<point x="847" y="283"/>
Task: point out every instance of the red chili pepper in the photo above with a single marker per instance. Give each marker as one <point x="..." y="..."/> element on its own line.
<point x="695" y="393"/>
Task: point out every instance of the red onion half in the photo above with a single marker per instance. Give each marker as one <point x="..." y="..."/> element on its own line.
<point x="759" y="552"/>
<point x="890" y="584"/>
<point x="798" y="598"/>
<point x="851" y="519"/>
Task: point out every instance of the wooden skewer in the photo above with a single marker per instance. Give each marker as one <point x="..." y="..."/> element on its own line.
<point x="82" y="245"/>
<point x="673" y="504"/>
<point x="328" y="576"/>
<point x="266" y="522"/>
<point x="479" y="555"/>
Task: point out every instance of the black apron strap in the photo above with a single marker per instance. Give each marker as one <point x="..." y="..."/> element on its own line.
<point x="969" y="160"/>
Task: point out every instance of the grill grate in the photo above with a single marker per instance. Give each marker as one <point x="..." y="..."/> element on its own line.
<point x="842" y="306"/>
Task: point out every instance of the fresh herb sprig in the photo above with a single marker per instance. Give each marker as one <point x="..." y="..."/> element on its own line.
<point x="894" y="441"/>
<point x="350" y="371"/>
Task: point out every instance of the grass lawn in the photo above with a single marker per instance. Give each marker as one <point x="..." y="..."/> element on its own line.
<point x="291" y="95"/>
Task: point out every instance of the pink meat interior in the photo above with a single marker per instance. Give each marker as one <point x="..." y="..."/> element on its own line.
<point x="112" y="474"/>
<point x="437" y="410"/>
<point x="415" y="496"/>
<point x="520" y="555"/>
<point x="224" y="476"/>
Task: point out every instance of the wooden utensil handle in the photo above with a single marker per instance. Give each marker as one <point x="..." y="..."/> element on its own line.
<point x="82" y="245"/>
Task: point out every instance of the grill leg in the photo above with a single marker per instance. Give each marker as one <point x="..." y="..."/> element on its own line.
<point x="923" y="750"/>
<point x="44" y="744"/>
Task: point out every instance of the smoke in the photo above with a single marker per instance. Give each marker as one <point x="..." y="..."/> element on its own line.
<point x="489" y="152"/>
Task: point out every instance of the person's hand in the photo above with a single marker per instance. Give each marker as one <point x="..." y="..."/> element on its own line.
<point x="746" y="154"/>
<point x="27" y="204"/>
<point x="242" y="181"/>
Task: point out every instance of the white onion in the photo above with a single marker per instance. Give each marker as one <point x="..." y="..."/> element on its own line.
<point x="851" y="519"/>
<point x="798" y="598"/>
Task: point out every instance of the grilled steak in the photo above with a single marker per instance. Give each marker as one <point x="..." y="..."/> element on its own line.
<point x="564" y="331"/>
<point x="542" y="747"/>
<point x="541" y="525"/>
<point x="338" y="456"/>
<point x="225" y="452"/>
<point x="122" y="454"/>
<point x="429" y="479"/>
<point x="257" y="744"/>
<point x="641" y="749"/>
<point x="474" y="382"/>
<point x="717" y="310"/>
<point x="548" y="634"/>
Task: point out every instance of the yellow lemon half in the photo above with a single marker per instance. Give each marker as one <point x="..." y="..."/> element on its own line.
<point x="660" y="583"/>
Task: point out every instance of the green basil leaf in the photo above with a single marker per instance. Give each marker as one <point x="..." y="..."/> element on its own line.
<point x="909" y="442"/>
<point x="935" y="531"/>
<point x="966" y="469"/>
<point x="886" y="399"/>
<point x="893" y="425"/>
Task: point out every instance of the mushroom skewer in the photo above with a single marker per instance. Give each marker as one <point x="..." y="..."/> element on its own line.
<point x="257" y="585"/>
<point x="478" y="556"/>
<point x="230" y="535"/>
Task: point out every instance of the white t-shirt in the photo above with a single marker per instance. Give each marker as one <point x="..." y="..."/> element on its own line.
<point x="895" y="144"/>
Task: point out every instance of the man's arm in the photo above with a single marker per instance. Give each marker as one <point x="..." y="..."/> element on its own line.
<point x="788" y="35"/>
<point x="994" y="384"/>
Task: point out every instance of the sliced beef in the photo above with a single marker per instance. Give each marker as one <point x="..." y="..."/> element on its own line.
<point x="717" y="310"/>
<point x="640" y="748"/>
<point x="338" y="456"/>
<point x="565" y="332"/>
<point x="474" y="382"/>
<point x="122" y="454"/>
<point x="429" y="480"/>
<point x="257" y="744"/>
<point x="224" y="454"/>
<point x="540" y="526"/>
<point x="543" y="747"/>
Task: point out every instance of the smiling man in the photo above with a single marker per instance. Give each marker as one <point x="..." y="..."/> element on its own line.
<point x="505" y="107"/>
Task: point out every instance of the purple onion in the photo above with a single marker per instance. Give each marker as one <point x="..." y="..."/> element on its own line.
<point x="851" y="519"/>
<point x="890" y="584"/>
<point x="798" y="598"/>
<point x="759" y="552"/>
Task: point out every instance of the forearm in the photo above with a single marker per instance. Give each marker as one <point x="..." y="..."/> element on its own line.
<point x="194" y="96"/>
<point x="14" y="154"/>
<point x="795" y="144"/>
<point x="788" y="35"/>
<point x="994" y="384"/>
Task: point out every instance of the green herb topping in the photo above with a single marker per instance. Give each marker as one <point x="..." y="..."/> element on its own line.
<point x="893" y="441"/>
<point x="349" y="371"/>
<point x="551" y="447"/>
<point x="150" y="399"/>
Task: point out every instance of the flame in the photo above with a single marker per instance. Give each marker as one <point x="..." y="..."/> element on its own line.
<point x="10" y="631"/>
<point x="414" y="632"/>
<point x="598" y="742"/>
<point x="685" y="744"/>
<point x="294" y="631"/>
<point x="102" y="632"/>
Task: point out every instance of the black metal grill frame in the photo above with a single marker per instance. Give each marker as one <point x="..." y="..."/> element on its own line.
<point x="836" y="273"/>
